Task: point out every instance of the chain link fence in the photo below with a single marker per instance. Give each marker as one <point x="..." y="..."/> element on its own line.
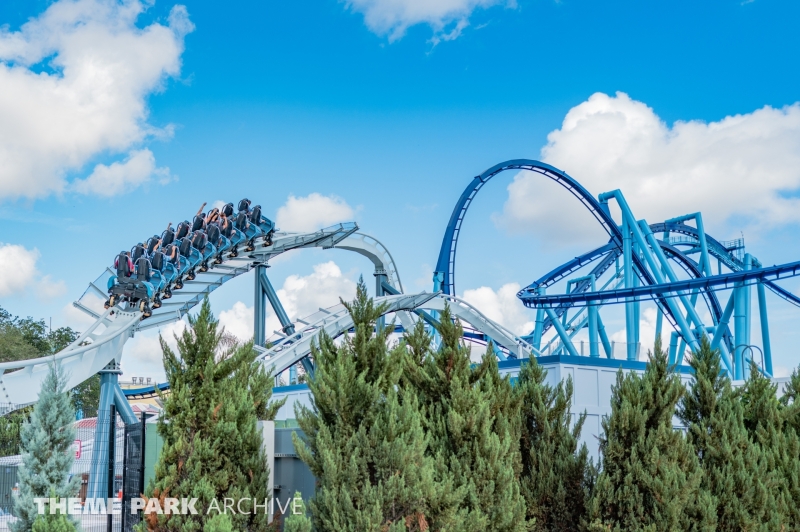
<point x="119" y="475"/>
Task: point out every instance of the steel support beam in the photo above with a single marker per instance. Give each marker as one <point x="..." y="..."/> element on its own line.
<point x="566" y="342"/>
<point x="765" y="341"/>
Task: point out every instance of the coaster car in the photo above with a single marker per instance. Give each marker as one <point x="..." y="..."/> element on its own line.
<point x="167" y="273"/>
<point x="207" y="250"/>
<point x="135" y="287"/>
<point x="190" y="258"/>
<point x="250" y="230"/>
<point x="266" y="225"/>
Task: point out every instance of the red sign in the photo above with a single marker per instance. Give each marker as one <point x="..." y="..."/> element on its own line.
<point x="77" y="445"/>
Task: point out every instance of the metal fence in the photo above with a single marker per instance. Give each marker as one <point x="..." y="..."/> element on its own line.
<point x="120" y="472"/>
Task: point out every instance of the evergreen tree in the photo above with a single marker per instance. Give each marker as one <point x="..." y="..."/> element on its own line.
<point x="364" y="439"/>
<point x="650" y="479"/>
<point x="212" y="444"/>
<point x="297" y="521"/>
<point x="790" y="403"/>
<point x="557" y="477"/>
<point x="53" y="522"/>
<point x="765" y="423"/>
<point x="472" y="418"/>
<point x="734" y="469"/>
<point x="46" y="451"/>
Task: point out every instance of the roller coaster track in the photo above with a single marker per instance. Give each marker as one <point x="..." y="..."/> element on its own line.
<point x="673" y="289"/>
<point x="676" y="299"/>
<point x="336" y="320"/>
<point x="103" y="341"/>
<point x="444" y="275"/>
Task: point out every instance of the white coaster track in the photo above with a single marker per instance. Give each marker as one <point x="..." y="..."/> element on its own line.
<point x="103" y="341"/>
<point x="285" y="351"/>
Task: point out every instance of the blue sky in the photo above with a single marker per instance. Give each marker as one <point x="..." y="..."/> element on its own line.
<point x="120" y="117"/>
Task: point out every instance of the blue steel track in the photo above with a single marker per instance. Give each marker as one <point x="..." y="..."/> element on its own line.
<point x="636" y="266"/>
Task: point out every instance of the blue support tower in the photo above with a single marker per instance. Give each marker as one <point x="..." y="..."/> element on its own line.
<point x="110" y="394"/>
<point x="264" y="291"/>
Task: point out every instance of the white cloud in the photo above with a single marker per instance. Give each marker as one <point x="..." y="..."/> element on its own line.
<point x="743" y="166"/>
<point x="312" y="212"/>
<point x="75" y="85"/>
<point x="17" y="268"/>
<point x="238" y="321"/>
<point x="120" y="177"/>
<point x="304" y="295"/>
<point x="142" y="355"/>
<point x="447" y="18"/>
<point x="647" y="335"/>
<point x="48" y="289"/>
<point x="502" y="306"/>
<point x="18" y="272"/>
<point x="300" y="296"/>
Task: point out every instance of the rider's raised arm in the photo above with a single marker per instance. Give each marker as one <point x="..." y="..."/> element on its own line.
<point x="200" y="210"/>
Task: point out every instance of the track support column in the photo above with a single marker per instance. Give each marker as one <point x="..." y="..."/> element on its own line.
<point x="264" y="291"/>
<point x="110" y="395"/>
<point x="765" y="342"/>
<point x="627" y="275"/>
<point x="537" y="330"/>
<point x="380" y="279"/>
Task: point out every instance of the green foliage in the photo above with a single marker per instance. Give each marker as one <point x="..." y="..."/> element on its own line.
<point x="557" y="477"/>
<point x="219" y="523"/>
<point x="651" y="477"/>
<point x="212" y="443"/>
<point x="735" y="470"/>
<point x="53" y="523"/>
<point x="765" y="422"/>
<point x="26" y="338"/>
<point x="364" y="439"/>
<point x="297" y="521"/>
<point x="472" y="417"/>
<point x="789" y="402"/>
<point x="46" y="451"/>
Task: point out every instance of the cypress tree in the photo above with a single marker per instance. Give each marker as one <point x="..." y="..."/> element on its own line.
<point x="472" y="418"/>
<point x="557" y="477"/>
<point x="734" y="469"/>
<point x="790" y="403"/>
<point x="297" y="521"/>
<point x="364" y="439"/>
<point x="46" y="451"/>
<point x="212" y="444"/>
<point x="650" y="477"/>
<point x="765" y="423"/>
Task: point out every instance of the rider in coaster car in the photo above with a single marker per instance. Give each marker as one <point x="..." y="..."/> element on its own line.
<point x="250" y="231"/>
<point x="132" y="283"/>
<point x="190" y="255"/>
<point x="153" y="243"/>
<point x="127" y="260"/>
<point x="266" y="225"/>
<point x="138" y="252"/>
<point x="231" y="238"/>
<point x="182" y="230"/>
<point x="200" y="242"/>
<point x="168" y="236"/>
<point x="173" y="256"/>
<point x="124" y="266"/>
<point x="166" y="269"/>
<point x="145" y="289"/>
<point x="212" y="216"/>
<point x="199" y="220"/>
